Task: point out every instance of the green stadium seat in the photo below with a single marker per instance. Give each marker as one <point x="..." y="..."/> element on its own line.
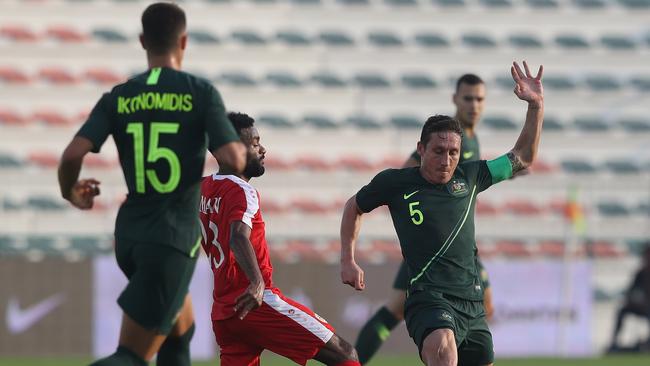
<point x="109" y="35"/>
<point x="505" y="82"/>
<point x="618" y="42"/>
<point x="384" y="39"/>
<point x="591" y="124"/>
<point x="559" y="82"/>
<point x="641" y="83"/>
<point x="45" y="203"/>
<point x="371" y="80"/>
<point x="418" y="81"/>
<point x="336" y="38"/>
<point x="9" y="161"/>
<point x="644" y="209"/>
<point x="552" y="124"/>
<point x="319" y="121"/>
<point x="283" y="79"/>
<point x="578" y="167"/>
<point x="248" y="37"/>
<point x="306" y="2"/>
<point x="236" y="78"/>
<point x="431" y="40"/>
<point x="404" y="3"/>
<point x="635" y="4"/>
<point x="543" y="4"/>
<point x="528" y="41"/>
<point x="499" y="123"/>
<point x="450" y="3"/>
<point x="217" y="1"/>
<point x="572" y="41"/>
<point x="406" y="122"/>
<point x="293" y="38"/>
<point x="635" y="124"/>
<point x="612" y="208"/>
<point x="476" y="40"/>
<point x="354" y="2"/>
<point x="275" y="120"/>
<point x="637" y="246"/>
<point x="603" y="83"/>
<point x="590" y="4"/>
<point x="327" y="79"/>
<point x="202" y="37"/>
<point x="263" y="2"/>
<point x="42" y="243"/>
<point x="496" y="3"/>
<point x="9" y="204"/>
<point x="364" y="122"/>
<point x="622" y="167"/>
<point x="90" y="245"/>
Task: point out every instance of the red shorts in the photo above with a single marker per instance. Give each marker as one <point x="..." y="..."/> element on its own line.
<point x="280" y="325"/>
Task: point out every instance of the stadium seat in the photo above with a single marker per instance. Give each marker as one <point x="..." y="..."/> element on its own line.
<point x="527" y="41"/>
<point x="578" y="167"/>
<point x="96" y="161"/>
<point x="630" y="124"/>
<point x="603" y="83"/>
<point x="354" y="2"/>
<point x="643" y="208"/>
<point x="57" y="76"/>
<point x="551" y="248"/>
<point x="512" y="248"/>
<point x="312" y="163"/>
<point x="51" y="118"/>
<point x="384" y="39"/>
<point x="237" y="78"/>
<point x="542" y="167"/>
<point x="272" y="207"/>
<point x="46" y="203"/>
<point x="636" y="246"/>
<point x="336" y="38"/>
<point x="248" y="37"/>
<point x="622" y="167"/>
<point x="478" y="40"/>
<point x="10" y="75"/>
<point x="306" y="2"/>
<point x="327" y="79"/>
<point x="202" y="37"/>
<point x="18" y="33"/>
<point x="571" y="41"/>
<point x="65" y="34"/>
<point x="283" y="79"/>
<point x="450" y="3"/>
<point x="304" y="249"/>
<point x="90" y="245"/>
<point x="641" y="83"/>
<point x="319" y="121"/>
<point x="635" y="4"/>
<point x="275" y="120"/>
<point x="44" y="159"/>
<point x="362" y="121"/>
<point x="401" y="3"/>
<point x="41" y="243"/>
<point x="612" y="208"/>
<point x="618" y="42"/>
<point x="417" y="81"/>
<point x="355" y="163"/>
<point x="9" y="204"/>
<point x="522" y="208"/>
<point x="406" y="121"/>
<point x="103" y="76"/>
<point x="370" y="80"/>
<point x="559" y="82"/>
<point x="484" y="207"/>
<point x="431" y="40"/>
<point x="499" y="123"/>
<point x="591" y="124"/>
<point x="9" y="117"/>
<point x="389" y="248"/>
<point x="543" y="4"/>
<point x="590" y="4"/>
<point x="109" y="35"/>
<point x="9" y="161"/>
<point x="552" y="124"/>
<point x="602" y="249"/>
<point x="496" y="3"/>
<point x="506" y="82"/>
<point x="308" y="206"/>
<point x="293" y="38"/>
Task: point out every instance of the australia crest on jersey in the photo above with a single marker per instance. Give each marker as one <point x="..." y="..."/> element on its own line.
<point x="457" y="187"/>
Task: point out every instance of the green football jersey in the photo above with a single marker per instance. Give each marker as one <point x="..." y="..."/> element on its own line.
<point x="435" y="222"/>
<point x="161" y="122"/>
<point x="469" y="150"/>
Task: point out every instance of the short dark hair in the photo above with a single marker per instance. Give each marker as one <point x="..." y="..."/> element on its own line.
<point x="162" y="25"/>
<point x="240" y="121"/>
<point x="439" y="123"/>
<point x="469" y="79"/>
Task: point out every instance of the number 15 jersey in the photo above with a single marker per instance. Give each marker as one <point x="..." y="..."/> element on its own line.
<point x="161" y="122"/>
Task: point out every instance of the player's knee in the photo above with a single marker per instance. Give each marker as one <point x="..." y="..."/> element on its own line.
<point x="439" y="348"/>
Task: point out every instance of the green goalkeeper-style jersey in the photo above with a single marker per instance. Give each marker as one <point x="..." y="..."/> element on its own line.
<point x="435" y="222"/>
<point x="161" y="121"/>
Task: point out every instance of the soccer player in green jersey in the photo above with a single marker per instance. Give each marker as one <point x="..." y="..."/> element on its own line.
<point x="432" y="208"/>
<point x="161" y="121"/>
<point x="469" y="99"/>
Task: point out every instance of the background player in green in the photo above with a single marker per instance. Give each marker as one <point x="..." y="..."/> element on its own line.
<point x="432" y="208"/>
<point x="469" y="99"/>
<point x="156" y="119"/>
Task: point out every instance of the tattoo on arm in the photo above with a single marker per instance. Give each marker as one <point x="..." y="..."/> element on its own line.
<point x="515" y="161"/>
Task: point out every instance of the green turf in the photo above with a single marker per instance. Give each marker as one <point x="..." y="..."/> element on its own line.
<point x="269" y="360"/>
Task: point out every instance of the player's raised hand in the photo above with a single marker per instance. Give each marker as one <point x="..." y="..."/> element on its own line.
<point x="251" y="299"/>
<point x="82" y="194"/>
<point x="527" y="86"/>
<point x="352" y="274"/>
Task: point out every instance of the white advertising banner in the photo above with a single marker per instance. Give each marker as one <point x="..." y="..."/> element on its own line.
<point x="541" y="308"/>
<point x="109" y="282"/>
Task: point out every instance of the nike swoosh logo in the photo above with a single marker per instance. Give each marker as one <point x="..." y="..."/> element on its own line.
<point x="19" y="320"/>
<point x="407" y="196"/>
<point x="468" y="154"/>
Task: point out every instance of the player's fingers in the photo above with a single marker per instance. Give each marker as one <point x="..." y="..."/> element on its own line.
<point x="540" y="72"/>
<point x="528" y="74"/>
<point x="520" y="73"/>
<point x="515" y="77"/>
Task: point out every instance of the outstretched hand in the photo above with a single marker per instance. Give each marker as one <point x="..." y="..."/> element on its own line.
<point x="82" y="194"/>
<point x="528" y="87"/>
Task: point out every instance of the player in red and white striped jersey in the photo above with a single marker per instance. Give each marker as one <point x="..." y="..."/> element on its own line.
<point x="249" y="314"/>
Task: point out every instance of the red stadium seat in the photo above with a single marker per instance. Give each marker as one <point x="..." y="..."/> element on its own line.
<point x="272" y="207"/>
<point x="313" y="163"/>
<point x="9" y="117"/>
<point x="14" y="76"/>
<point x="355" y="163"/>
<point x="389" y="248"/>
<point x="551" y="248"/>
<point x="512" y="248"/>
<point x="603" y="249"/>
<point x="18" y="33"/>
<point x="485" y="208"/>
<point x="485" y="250"/>
<point x="98" y="162"/>
<point x="51" y="118"/>
<point x="542" y="167"/>
<point x="275" y="163"/>
<point x="391" y="162"/>
<point x="65" y="34"/>
<point x="305" y="249"/>
<point x="44" y="159"/>
<point x="521" y="207"/>
<point x="56" y="76"/>
<point x="308" y="206"/>
<point x="103" y="76"/>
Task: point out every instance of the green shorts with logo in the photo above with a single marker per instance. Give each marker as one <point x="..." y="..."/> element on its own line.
<point x="427" y="310"/>
<point x="159" y="278"/>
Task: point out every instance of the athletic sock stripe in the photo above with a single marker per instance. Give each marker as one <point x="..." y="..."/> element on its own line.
<point x="304" y="319"/>
<point x="450" y="239"/>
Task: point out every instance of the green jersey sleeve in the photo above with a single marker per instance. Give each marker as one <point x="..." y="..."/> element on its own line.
<point x="98" y="125"/>
<point x="376" y="193"/>
<point x="219" y="129"/>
